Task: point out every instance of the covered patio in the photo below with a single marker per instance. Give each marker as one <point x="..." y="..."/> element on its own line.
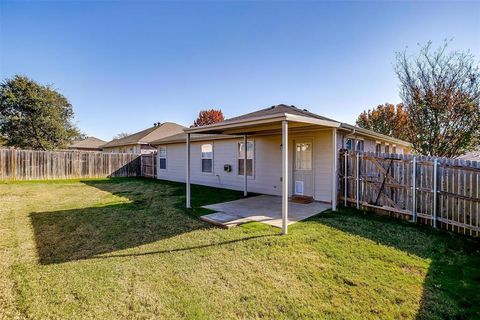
<point x="277" y="209"/>
<point x="264" y="208"/>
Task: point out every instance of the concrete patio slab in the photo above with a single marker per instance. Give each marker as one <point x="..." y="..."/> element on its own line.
<point x="266" y="209"/>
<point x="224" y="220"/>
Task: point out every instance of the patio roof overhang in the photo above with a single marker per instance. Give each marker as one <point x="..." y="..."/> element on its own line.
<point x="262" y="124"/>
<point x="280" y="123"/>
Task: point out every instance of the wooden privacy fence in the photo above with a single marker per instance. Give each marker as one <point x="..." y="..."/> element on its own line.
<point x="441" y="192"/>
<point x="149" y="165"/>
<point x="41" y="165"/>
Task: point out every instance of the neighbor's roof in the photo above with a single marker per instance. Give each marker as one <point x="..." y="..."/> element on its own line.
<point x="147" y="136"/>
<point x="471" y="156"/>
<point x="88" y="143"/>
<point x="285" y="112"/>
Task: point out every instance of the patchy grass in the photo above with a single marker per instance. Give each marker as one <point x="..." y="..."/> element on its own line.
<point x="127" y="248"/>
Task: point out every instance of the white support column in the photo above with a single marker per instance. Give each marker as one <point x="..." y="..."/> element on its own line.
<point x="284" y="177"/>
<point x="357" y="173"/>
<point x="187" y="178"/>
<point x="346" y="179"/>
<point x="245" y="177"/>
<point x="334" y="170"/>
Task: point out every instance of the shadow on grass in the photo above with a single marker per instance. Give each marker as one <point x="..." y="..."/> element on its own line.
<point x="148" y="211"/>
<point x="452" y="284"/>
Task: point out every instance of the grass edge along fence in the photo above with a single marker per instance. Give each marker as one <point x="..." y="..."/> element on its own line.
<point x="440" y="192"/>
<point x="18" y="164"/>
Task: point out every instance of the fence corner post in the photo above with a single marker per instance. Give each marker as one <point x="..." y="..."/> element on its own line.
<point x="414" y="190"/>
<point x="435" y="192"/>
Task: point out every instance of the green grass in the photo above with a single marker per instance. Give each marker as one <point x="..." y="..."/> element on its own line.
<point x="127" y="248"/>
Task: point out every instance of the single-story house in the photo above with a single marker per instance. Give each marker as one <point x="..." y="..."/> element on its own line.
<point x="88" y="144"/>
<point x="470" y="156"/>
<point x="140" y="142"/>
<point x="289" y="151"/>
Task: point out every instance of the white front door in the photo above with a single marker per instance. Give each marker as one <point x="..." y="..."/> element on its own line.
<point x="303" y="178"/>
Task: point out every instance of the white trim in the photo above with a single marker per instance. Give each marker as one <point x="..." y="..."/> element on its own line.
<point x="285" y="177"/>
<point x="165" y="157"/>
<point x="334" y="169"/>
<point x="212" y="158"/>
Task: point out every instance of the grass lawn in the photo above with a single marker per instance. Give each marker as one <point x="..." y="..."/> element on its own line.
<point x="127" y="248"/>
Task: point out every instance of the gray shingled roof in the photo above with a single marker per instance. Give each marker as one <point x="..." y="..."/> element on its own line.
<point x="471" y="156"/>
<point x="278" y="109"/>
<point x="88" y="143"/>
<point x="147" y="136"/>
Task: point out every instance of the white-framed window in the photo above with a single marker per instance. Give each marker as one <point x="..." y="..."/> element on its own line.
<point x="359" y="145"/>
<point x="378" y="148"/>
<point x="207" y="158"/>
<point x="303" y="156"/>
<point x="348" y="144"/>
<point x="250" y="156"/>
<point x="394" y="149"/>
<point x="387" y="148"/>
<point x="162" y="157"/>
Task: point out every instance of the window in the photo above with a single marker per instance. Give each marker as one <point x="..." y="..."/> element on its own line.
<point x="207" y="158"/>
<point x="348" y="144"/>
<point x="394" y="149"/>
<point x="378" y="148"/>
<point x="303" y="156"/>
<point x="387" y="149"/>
<point x="162" y="158"/>
<point x="359" y="145"/>
<point x="240" y="156"/>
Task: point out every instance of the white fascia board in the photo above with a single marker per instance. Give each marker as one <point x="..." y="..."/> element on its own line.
<point x="310" y="120"/>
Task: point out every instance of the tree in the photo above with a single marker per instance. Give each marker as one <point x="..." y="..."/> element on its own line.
<point x="207" y="117"/>
<point x="121" y="135"/>
<point x="387" y="119"/>
<point x="35" y="116"/>
<point x="441" y="94"/>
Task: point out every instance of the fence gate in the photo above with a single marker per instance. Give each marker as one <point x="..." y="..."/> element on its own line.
<point x="440" y="192"/>
<point x="149" y="165"/>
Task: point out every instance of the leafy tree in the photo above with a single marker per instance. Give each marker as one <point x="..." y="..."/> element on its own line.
<point x="387" y="119"/>
<point x="35" y="116"/>
<point x="121" y="135"/>
<point x="207" y="117"/>
<point x="441" y="94"/>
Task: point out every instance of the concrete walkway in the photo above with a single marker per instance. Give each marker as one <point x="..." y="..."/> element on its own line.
<point x="264" y="208"/>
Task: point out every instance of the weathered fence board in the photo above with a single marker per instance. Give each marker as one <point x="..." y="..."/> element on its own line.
<point x="43" y="165"/>
<point x="149" y="165"/>
<point x="439" y="192"/>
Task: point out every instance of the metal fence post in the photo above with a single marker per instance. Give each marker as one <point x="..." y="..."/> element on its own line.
<point x="435" y="165"/>
<point x="358" y="179"/>
<point x="414" y="190"/>
<point x="346" y="178"/>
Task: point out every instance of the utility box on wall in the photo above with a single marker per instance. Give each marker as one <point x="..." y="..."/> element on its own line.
<point x="227" y="167"/>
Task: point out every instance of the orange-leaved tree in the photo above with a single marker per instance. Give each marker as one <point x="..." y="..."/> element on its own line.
<point x="206" y="117"/>
<point x="387" y="119"/>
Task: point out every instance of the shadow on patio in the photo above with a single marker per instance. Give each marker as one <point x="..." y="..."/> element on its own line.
<point x="451" y="289"/>
<point x="153" y="211"/>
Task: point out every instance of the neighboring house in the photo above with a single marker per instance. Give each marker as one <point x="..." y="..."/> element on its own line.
<point x="88" y="144"/>
<point x="140" y="142"/>
<point x="471" y="156"/>
<point x="217" y="153"/>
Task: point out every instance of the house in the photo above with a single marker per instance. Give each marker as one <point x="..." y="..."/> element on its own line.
<point x="88" y="144"/>
<point x="289" y="151"/>
<point x="470" y="156"/>
<point x="140" y="142"/>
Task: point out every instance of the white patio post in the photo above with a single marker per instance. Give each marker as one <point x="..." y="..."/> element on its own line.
<point x="334" y="170"/>
<point x="284" y="177"/>
<point x="245" y="178"/>
<point x="187" y="178"/>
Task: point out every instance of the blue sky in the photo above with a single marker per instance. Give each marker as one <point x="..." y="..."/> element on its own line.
<point x="124" y="65"/>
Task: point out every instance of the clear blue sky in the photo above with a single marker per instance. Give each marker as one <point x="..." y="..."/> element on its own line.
<point x="125" y="65"/>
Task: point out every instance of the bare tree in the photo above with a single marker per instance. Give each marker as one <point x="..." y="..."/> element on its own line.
<point x="121" y="135"/>
<point x="441" y="94"/>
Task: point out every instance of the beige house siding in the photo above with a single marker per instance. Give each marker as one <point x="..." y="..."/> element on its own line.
<point x="267" y="164"/>
<point x="134" y="148"/>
